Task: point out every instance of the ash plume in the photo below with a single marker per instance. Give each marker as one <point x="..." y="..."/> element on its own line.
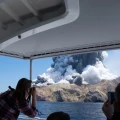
<point x="76" y="69"/>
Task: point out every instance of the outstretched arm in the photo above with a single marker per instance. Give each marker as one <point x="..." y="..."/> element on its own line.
<point x="26" y="108"/>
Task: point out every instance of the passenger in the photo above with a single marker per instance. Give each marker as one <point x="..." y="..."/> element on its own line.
<point x="14" y="101"/>
<point x="106" y="107"/>
<point x="58" y="116"/>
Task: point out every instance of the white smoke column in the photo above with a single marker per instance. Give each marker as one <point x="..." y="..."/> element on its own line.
<point x="94" y="74"/>
<point x="53" y="77"/>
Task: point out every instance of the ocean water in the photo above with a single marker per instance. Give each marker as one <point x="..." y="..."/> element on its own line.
<point x="76" y="110"/>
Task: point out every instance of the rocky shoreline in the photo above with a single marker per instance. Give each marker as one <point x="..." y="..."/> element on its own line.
<point x="74" y="93"/>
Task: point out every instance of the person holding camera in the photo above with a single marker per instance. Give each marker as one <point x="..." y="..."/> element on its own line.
<point x="113" y="104"/>
<point x="14" y="101"/>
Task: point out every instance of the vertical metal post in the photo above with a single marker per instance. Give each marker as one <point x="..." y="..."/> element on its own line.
<point x="30" y="69"/>
<point x="31" y="77"/>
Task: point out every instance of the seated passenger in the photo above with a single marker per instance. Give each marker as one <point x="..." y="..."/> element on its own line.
<point x="14" y="101"/>
<point x="58" y="116"/>
<point x="107" y="106"/>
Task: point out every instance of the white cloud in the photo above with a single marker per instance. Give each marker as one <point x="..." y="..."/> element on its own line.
<point x="94" y="74"/>
<point x="105" y="54"/>
<point x="63" y="81"/>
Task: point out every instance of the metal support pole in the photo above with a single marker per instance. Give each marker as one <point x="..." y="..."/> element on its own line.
<point x="30" y="69"/>
<point x="31" y="77"/>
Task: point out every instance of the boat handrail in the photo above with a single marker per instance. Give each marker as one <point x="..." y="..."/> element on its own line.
<point x="29" y="118"/>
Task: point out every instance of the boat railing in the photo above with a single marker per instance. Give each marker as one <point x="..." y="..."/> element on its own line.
<point x="23" y="117"/>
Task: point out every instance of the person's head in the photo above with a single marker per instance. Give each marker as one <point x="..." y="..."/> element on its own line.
<point x="22" y="90"/>
<point x="117" y="92"/>
<point x="58" y="116"/>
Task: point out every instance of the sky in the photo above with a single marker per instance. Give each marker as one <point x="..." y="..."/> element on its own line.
<point x="12" y="69"/>
<point x="112" y="62"/>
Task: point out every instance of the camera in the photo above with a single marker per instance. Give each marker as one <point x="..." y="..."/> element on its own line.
<point x="32" y="88"/>
<point x="111" y="97"/>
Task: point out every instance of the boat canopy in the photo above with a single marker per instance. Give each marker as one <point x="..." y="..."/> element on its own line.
<point x="31" y="29"/>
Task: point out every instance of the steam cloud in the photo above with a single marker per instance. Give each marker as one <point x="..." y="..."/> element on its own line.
<point x="79" y="69"/>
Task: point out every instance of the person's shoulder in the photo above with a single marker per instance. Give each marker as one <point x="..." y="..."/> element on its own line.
<point x="9" y="92"/>
<point x="6" y="92"/>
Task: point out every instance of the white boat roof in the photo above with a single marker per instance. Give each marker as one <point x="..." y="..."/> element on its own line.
<point x="32" y="29"/>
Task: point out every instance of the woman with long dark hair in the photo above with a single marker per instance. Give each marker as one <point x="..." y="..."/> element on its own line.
<point x="14" y="101"/>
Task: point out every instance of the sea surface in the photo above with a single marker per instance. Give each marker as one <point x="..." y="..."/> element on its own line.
<point x="76" y="110"/>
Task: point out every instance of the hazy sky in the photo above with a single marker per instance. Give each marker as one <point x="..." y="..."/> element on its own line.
<point x="12" y="69"/>
<point x="113" y="61"/>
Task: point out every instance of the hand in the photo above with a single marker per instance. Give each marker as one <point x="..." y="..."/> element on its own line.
<point x="106" y="109"/>
<point x="33" y="91"/>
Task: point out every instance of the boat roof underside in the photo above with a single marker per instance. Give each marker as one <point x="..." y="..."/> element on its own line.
<point x="97" y="28"/>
